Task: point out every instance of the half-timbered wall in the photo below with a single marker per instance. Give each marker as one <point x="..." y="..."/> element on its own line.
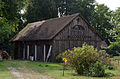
<point x="75" y="34"/>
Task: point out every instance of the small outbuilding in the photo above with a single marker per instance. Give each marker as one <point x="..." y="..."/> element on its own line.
<point x="44" y="40"/>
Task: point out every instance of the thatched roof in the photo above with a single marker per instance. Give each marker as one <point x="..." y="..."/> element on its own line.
<point x="46" y="29"/>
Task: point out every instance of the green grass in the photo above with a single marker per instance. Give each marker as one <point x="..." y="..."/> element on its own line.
<point x="54" y="70"/>
<point x="4" y="72"/>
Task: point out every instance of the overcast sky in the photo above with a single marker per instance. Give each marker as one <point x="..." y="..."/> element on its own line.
<point x="112" y="4"/>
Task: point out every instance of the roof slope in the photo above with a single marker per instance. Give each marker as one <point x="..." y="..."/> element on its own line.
<point x="46" y="29"/>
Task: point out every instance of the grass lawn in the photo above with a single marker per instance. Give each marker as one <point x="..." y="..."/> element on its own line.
<point x="4" y="72"/>
<point x="53" y="70"/>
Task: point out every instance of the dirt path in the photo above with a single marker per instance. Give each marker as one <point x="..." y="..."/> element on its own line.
<point x="15" y="73"/>
<point x="24" y="73"/>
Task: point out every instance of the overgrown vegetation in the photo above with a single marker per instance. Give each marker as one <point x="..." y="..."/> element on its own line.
<point x="86" y="60"/>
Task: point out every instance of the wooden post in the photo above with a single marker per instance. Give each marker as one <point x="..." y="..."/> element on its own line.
<point x="24" y="52"/>
<point x="44" y="52"/>
<point x="35" y="52"/>
<point x="63" y="68"/>
<point x="27" y="51"/>
<point x="49" y="53"/>
<point x="65" y="60"/>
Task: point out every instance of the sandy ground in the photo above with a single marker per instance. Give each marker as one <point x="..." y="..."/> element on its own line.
<point x="24" y="73"/>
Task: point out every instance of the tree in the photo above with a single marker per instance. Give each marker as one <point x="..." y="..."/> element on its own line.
<point x="10" y="19"/>
<point x="85" y="7"/>
<point x="102" y="21"/>
<point x="115" y="32"/>
<point x="40" y="10"/>
<point x="114" y="47"/>
<point x="63" y="6"/>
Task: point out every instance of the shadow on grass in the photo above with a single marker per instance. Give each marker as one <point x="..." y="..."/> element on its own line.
<point x="107" y="75"/>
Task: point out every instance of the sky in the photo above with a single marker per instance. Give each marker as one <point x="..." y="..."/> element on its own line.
<point x="112" y="4"/>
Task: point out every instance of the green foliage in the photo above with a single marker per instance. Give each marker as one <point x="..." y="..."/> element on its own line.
<point x="101" y="22"/>
<point x="85" y="7"/>
<point x="97" y="69"/>
<point x="114" y="49"/>
<point x="62" y="6"/>
<point x="40" y="10"/>
<point x="10" y="20"/>
<point x="115" y="32"/>
<point x="86" y="60"/>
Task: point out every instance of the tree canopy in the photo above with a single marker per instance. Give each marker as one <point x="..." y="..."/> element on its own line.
<point x="10" y="20"/>
<point x="40" y="10"/>
<point x="102" y="21"/>
<point x="85" y="7"/>
<point x="115" y="32"/>
<point x="9" y="17"/>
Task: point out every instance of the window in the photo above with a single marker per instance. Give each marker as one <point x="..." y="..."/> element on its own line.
<point x="78" y="27"/>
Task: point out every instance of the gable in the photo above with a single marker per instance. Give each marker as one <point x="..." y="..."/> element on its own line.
<point x="75" y="34"/>
<point x="78" y="29"/>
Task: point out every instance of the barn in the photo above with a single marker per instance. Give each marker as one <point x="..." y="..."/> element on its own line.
<point x="44" y="40"/>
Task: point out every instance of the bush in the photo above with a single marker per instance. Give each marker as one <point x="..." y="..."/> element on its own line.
<point x="114" y="49"/>
<point x="86" y="60"/>
<point x="97" y="69"/>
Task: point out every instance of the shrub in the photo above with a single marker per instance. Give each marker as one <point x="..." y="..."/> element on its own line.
<point x="97" y="69"/>
<point x="114" y="49"/>
<point x="86" y="60"/>
<point x="105" y="57"/>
